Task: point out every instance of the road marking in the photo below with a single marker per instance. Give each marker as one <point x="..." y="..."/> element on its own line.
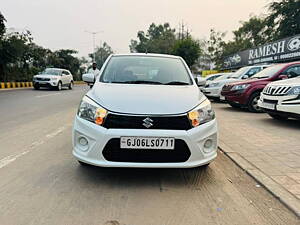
<point x="40" y="96"/>
<point x="11" y="158"/>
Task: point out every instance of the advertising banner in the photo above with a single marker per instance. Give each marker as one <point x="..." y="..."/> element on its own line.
<point x="287" y="49"/>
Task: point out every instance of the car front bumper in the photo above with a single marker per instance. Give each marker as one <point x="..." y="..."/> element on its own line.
<point x="98" y="137"/>
<point x="212" y="92"/>
<point x="288" y="105"/>
<point x="45" y="83"/>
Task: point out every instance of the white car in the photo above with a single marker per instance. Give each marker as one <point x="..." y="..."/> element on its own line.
<point x="213" y="88"/>
<point x="280" y="99"/>
<point x="243" y="73"/>
<point x="53" y="78"/>
<point x="203" y="80"/>
<point x="145" y="110"/>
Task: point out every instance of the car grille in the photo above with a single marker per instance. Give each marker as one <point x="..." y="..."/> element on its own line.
<point x="227" y="88"/>
<point x="270" y="101"/>
<point x="43" y="79"/>
<point x="276" y="91"/>
<point x="116" y="121"/>
<point x="112" y="152"/>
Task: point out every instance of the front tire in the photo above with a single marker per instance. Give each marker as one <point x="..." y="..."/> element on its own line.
<point x="278" y="117"/>
<point x="71" y="85"/>
<point x="253" y="103"/>
<point x="36" y="87"/>
<point x="59" y="86"/>
<point x="83" y="164"/>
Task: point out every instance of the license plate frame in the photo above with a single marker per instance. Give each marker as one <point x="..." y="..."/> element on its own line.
<point x="267" y="105"/>
<point x="149" y="143"/>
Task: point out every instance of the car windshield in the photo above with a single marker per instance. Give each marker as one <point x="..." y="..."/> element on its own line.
<point x="268" y="72"/>
<point x="53" y="72"/>
<point x="239" y="72"/>
<point x="146" y="70"/>
<point x="223" y="77"/>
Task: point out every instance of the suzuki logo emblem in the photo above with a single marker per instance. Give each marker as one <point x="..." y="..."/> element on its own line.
<point x="148" y="122"/>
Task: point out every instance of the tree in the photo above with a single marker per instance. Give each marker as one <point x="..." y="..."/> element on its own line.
<point x="101" y="54"/>
<point x="284" y="19"/>
<point x="188" y="49"/>
<point x="2" y="25"/>
<point x="158" y="39"/>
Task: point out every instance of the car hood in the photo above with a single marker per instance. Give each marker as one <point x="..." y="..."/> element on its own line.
<point x="146" y="99"/>
<point x="46" y="76"/>
<point x="287" y="82"/>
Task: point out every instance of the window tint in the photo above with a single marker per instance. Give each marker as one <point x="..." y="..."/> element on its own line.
<point x="145" y="69"/>
<point x="293" y="71"/>
<point x="253" y="71"/>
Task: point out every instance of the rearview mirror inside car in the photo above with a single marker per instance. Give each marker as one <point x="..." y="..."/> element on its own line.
<point x="88" y="78"/>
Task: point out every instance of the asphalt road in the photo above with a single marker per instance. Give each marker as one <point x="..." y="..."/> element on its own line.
<point x="41" y="183"/>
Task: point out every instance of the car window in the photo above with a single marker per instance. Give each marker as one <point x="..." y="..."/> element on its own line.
<point x="293" y="71"/>
<point x="146" y="69"/>
<point x="50" y="71"/>
<point x="253" y="71"/>
<point x="239" y="72"/>
<point x="269" y="72"/>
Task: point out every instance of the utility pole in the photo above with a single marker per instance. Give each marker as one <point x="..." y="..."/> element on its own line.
<point x="93" y="33"/>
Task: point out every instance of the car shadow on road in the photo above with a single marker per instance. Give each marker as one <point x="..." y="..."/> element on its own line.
<point x="133" y="177"/>
<point x="289" y="124"/>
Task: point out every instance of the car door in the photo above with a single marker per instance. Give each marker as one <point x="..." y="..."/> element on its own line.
<point x="64" y="77"/>
<point x="70" y="77"/>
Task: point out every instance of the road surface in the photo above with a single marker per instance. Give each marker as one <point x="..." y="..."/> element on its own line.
<point x="41" y="183"/>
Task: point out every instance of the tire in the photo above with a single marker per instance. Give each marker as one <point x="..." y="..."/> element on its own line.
<point x="83" y="163"/>
<point x="278" y="117"/>
<point x="71" y="85"/>
<point x="59" y="86"/>
<point x="253" y="103"/>
<point x="36" y="87"/>
<point x="234" y="105"/>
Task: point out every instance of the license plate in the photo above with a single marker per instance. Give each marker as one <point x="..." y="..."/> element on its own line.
<point x="147" y="143"/>
<point x="222" y="98"/>
<point x="268" y="105"/>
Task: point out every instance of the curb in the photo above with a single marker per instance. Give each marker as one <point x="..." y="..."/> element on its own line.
<point x="285" y="197"/>
<point x="22" y="85"/>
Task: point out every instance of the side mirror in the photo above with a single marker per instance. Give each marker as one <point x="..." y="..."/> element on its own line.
<point x="245" y="77"/>
<point x="200" y="81"/>
<point x="283" y="77"/>
<point x="88" y="78"/>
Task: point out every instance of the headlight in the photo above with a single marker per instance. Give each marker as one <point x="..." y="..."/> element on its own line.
<point x="294" y="91"/>
<point x="214" y="85"/>
<point x="91" y="111"/>
<point x="240" y="87"/>
<point x="202" y="114"/>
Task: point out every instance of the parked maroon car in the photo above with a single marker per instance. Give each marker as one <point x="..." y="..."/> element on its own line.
<point x="247" y="93"/>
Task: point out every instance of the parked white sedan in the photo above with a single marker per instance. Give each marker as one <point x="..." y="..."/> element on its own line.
<point x="145" y="110"/>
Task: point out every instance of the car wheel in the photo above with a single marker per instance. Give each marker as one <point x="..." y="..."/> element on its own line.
<point x="36" y="87"/>
<point x="234" y="105"/>
<point x="278" y="117"/>
<point x="253" y="103"/>
<point x="83" y="163"/>
<point x="59" y="86"/>
<point x="71" y="85"/>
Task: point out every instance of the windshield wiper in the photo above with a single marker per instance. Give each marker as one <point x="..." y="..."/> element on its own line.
<point x="176" y="83"/>
<point x="137" y="82"/>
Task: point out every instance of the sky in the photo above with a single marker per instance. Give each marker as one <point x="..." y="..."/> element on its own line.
<point x="57" y="24"/>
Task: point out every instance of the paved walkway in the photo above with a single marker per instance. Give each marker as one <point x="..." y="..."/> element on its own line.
<point x="271" y="146"/>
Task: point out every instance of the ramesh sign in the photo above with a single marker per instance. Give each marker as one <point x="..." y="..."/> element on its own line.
<point x="287" y="49"/>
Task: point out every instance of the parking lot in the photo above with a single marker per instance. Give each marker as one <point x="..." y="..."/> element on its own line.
<point x="41" y="183"/>
<point x="270" y="145"/>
